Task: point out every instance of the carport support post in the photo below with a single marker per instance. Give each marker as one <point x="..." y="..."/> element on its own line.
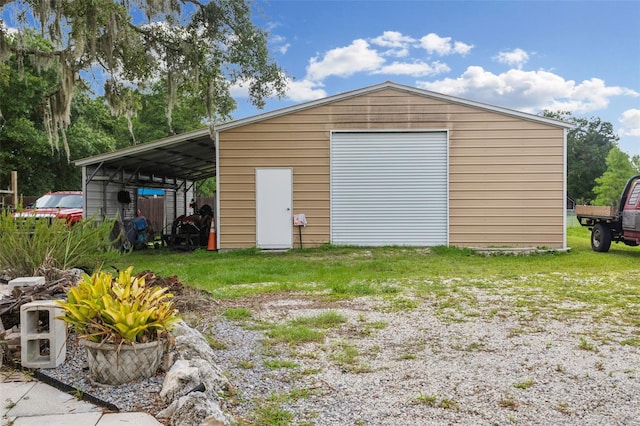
<point x="14" y="188"/>
<point x="104" y="199"/>
<point x="182" y="186"/>
<point x="186" y="193"/>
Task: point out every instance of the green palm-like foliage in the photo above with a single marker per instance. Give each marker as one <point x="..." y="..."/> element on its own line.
<point x="119" y="310"/>
<point x="31" y="246"/>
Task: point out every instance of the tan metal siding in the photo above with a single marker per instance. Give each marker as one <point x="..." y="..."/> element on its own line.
<point x="505" y="173"/>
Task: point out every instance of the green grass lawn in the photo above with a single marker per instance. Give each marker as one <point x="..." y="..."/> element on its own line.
<point x="607" y="283"/>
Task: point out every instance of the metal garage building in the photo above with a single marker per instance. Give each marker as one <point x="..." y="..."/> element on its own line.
<point x="392" y="165"/>
<point x="383" y="165"/>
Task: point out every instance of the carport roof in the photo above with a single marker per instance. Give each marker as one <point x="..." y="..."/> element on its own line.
<point x="189" y="156"/>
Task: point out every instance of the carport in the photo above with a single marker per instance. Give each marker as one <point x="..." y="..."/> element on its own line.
<point x="110" y="182"/>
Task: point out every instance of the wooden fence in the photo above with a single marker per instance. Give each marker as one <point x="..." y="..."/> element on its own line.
<point x="6" y="201"/>
<point x="153" y="210"/>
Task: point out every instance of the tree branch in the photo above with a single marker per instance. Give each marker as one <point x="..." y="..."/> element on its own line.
<point x="35" y="52"/>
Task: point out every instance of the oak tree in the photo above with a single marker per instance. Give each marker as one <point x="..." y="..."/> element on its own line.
<point x="588" y="144"/>
<point x="609" y="186"/>
<point x="196" y="47"/>
<point x="23" y="139"/>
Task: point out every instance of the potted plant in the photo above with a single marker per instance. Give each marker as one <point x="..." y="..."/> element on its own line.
<point x="122" y="323"/>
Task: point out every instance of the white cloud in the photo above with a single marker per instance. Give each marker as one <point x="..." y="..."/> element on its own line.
<point x="529" y="91"/>
<point x="516" y="57"/>
<point x="442" y="46"/>
<point x="344" y="61"/>
<point x="239" y="90"/>
<point x="272" y="25"/>
<point x="304" y="90"/>
<point x="462" y="48"/>
<point x="279" y="43"/>
<point x="8" y="30"/>
<point x="362" y="57"/>
<point x="397" y="44"/>
<point x="283" y="49"/>
<point x="297" y="91"/>
<point x="592" y="95"/>
<point x="414" y="69"/>
<point x="630" y="121"/>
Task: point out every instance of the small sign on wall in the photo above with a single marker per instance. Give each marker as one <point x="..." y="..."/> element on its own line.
<point x="300" y="220"/>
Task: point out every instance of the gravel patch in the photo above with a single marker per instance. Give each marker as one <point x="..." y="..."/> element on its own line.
<point x="130" y="397"/>
<point x="404" y="361"/>
<point x="413" y="367"/>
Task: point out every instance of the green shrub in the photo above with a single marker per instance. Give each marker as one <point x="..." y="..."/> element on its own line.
<point x="33" y="247"/>
<point x="119" y="310"/>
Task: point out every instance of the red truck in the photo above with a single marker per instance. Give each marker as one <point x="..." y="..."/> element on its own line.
<point x="61" y="205"/>
<point x="620" y="223"/>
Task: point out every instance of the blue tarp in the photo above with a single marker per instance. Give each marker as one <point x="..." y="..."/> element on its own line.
<point x="150" y="191"/>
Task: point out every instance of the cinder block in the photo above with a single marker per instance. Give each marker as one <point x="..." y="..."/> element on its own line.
<point x="43" y="337"/>
<point x="25" y="281"/>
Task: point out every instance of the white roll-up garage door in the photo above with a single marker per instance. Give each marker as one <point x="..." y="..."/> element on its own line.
<point x="389" y="188"/>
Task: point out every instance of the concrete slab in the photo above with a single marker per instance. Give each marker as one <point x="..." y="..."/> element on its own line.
<point x="43" y="399"/>
<point x="81" y="419"/>
<point x="137" y="419"/>
<point x="11" y="393"/>
<point x="24" y="402"/>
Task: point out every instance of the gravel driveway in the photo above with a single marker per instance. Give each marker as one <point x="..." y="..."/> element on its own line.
<point x="409" y="362"/>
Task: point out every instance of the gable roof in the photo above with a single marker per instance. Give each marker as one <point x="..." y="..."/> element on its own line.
<point x="395" y="86"/>
<point x="191" y="156"/>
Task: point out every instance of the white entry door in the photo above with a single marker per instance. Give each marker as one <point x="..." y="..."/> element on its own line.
<point x="274" y="229"/>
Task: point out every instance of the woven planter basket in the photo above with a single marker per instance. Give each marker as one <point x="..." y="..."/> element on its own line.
<point x="130" y="363"/>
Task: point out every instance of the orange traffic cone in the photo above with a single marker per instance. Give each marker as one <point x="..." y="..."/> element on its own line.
<point x="212" y="236"/>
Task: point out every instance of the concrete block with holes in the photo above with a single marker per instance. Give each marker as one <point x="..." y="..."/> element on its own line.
<point x="43" y="337"/>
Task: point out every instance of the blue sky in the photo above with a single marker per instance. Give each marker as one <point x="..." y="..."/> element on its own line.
<point x="580" y="56"/>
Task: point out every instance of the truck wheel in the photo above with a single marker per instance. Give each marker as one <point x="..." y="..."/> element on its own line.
<point x="600" y="238"/>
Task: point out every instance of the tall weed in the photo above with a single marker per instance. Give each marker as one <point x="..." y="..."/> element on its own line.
<point x="29" y="246"/>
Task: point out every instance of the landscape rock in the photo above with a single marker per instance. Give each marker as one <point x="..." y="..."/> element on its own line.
<point x="190" y="347"/>
<point x="193" y="383"/>
<point x="187" y="375"/>
<point x="190" y="344"/>
<point x="211" y="377"/>
<point x="182" y="328"/>
<point x="179" y="379"/>
<point x="196" y="409"/>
